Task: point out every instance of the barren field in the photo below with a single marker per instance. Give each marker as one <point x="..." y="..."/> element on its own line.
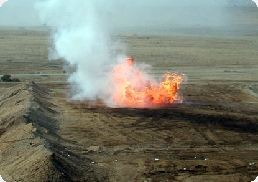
<point x="211" y="136"/>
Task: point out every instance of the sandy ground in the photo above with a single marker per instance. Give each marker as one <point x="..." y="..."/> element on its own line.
<point x="211" y="136"/>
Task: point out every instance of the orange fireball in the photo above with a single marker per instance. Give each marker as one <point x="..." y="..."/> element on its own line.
<point x="133" y="89"/>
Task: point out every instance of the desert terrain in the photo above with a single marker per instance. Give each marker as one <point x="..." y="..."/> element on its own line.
<point x="211" y="136"/>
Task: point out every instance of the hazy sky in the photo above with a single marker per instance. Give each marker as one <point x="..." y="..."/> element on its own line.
<point x="19" y="12"/>
<point x="132" y="13"/>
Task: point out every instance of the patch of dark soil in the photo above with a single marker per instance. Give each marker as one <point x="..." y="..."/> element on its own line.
<point x="229" y="121"/>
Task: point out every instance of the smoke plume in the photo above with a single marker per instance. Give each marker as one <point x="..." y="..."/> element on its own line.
<point x="81" y="38"/>
<point x="82" y="29"/>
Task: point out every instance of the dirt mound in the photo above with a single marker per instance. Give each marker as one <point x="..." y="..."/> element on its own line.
<point x="27" y="130"/>
<point x="31" y="149"/>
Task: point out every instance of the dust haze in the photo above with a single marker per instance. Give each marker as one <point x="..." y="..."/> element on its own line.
<point x="145" y="16"/>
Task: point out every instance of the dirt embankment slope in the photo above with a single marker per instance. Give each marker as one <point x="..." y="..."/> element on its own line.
<point x="28" y="150"/>
<point x="24" y="153"/>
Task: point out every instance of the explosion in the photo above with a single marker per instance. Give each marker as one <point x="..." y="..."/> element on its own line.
<point x="83" y="39"/>
<point x="133" y="88"/>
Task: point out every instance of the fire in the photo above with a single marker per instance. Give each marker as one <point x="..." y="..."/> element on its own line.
<point x="133" y="88"/>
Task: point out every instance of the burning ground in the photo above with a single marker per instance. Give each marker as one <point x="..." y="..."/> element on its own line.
<point x="135" y="89"/>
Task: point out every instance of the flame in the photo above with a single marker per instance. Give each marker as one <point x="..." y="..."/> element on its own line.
<point x="133" y="88"/>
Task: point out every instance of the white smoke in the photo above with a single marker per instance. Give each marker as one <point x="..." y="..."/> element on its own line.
<point x="1" y="179"/>
<point x="81" y="37"/>
<point x="2" y="2"/>
<point x="256" y="179"/>
<point x="82" y="28"/>
<point x="256" y="2"/>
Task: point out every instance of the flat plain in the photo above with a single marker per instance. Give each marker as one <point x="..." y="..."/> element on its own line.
<point x="211" y="136"/>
